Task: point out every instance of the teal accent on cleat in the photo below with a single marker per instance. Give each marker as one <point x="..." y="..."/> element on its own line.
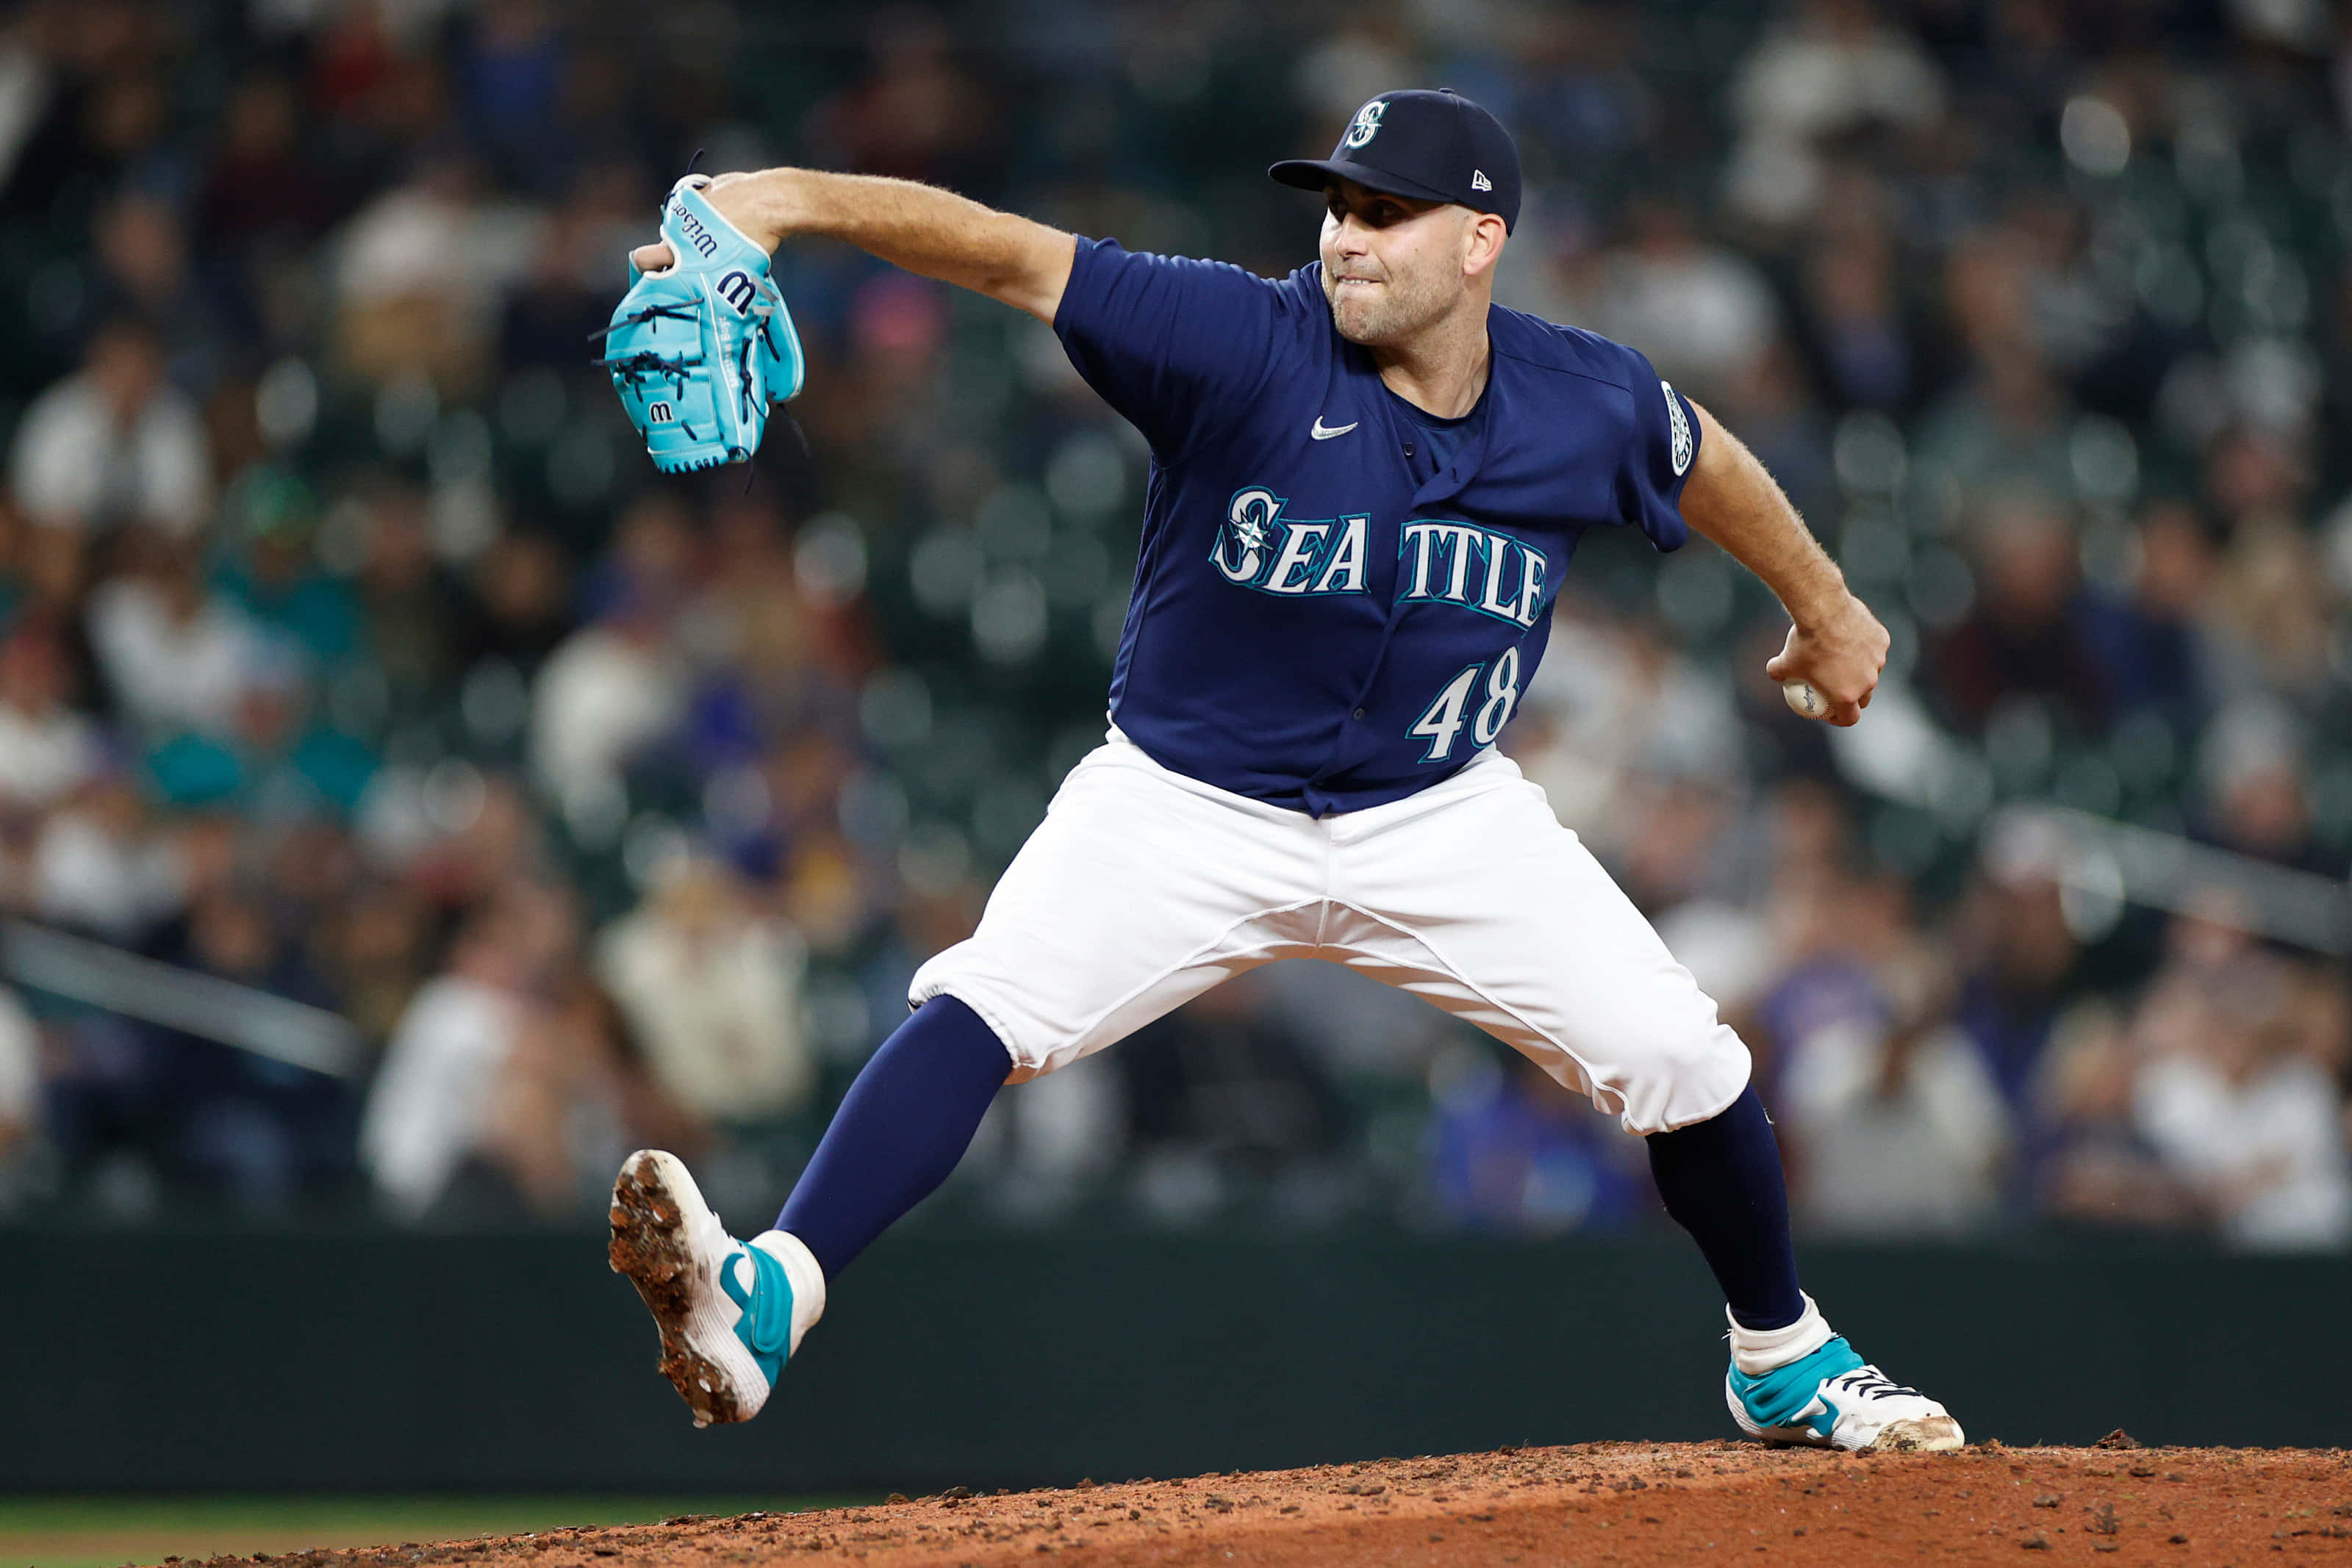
<point x="1831" y="1399"/>
<point x="1787" y="1395"/>
<point x="766" y="1326"/>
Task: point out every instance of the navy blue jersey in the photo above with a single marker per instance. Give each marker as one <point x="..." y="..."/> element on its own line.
<point x="1327" y="614"/>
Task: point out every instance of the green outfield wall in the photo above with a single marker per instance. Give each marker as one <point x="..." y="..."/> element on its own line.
<point x="403" y="1363"/>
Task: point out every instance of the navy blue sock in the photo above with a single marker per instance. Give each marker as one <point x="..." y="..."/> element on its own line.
<point x="901" y="1128"/>
<point x="1721" y="1180"/>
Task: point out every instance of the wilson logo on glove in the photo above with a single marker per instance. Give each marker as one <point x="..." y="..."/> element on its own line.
<point x="704" y="242"/>
<point x="695" y="380"/>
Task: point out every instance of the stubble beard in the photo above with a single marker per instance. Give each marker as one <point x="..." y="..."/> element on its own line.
<point x="1397" y="310"/>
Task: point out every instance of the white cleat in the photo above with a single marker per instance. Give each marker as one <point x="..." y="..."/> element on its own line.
<point x="1811" y="1387"/>
<point x="729" y="1313"/>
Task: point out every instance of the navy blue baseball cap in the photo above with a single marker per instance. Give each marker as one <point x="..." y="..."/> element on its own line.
<point x="1435" y="146"/>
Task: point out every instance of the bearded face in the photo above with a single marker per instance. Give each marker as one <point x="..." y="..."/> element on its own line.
<point x="1391" y="265"/>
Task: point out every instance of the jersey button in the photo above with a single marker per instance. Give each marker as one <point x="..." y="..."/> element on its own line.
<point x="1358" y="713"/>
<point x="1408" y="449"/>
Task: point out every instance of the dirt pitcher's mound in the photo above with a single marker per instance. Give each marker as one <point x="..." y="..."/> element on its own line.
<point x="1602" y="1502"/>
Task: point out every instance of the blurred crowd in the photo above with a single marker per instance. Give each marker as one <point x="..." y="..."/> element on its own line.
<point x="351" y="655"/>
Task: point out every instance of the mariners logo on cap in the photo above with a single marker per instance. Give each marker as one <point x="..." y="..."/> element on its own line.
<point x="1367" y="122"/>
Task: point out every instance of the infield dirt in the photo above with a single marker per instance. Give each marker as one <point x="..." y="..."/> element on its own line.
<point x="1603" y="1502"/>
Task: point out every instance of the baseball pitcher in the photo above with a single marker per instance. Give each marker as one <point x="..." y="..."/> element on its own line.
<point x="1367" y="482"/>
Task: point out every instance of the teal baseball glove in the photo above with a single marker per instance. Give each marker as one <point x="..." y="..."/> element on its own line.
<point x="699" y="349"/>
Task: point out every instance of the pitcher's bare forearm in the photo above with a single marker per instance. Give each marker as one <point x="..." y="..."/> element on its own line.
<point x="1834" y="640"/>
<point x="921" y="228"/>
<point x="1731" y="499"/>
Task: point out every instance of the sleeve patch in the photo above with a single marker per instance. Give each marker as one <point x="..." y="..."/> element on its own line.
<point x="1682" y="430"/>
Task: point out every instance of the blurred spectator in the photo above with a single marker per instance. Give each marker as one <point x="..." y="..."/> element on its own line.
<point x="473" y="1109"/>
<point x="569" y="292"/>
<point x="2006" y="424"/>
<point x="2155" y="651"/>
<point x="1835" y="67"/>
<point x="711" y="990"/>
<point x="607" y="690"/>
<point x="1368" y="53"/>
<point x="1583" y="91"/>
<point x="432" y="1103"/>
<point x="618" y="684"/>
<point x="43" y="580"/>
<point x="264" y="183"/>
<point x="511" y="71"/>
<point x="270" y="570"/>
<point x="1899" y="1127"/>
<point x="2019" y="954"/>
<point x="377" y="951"/>
<point x="97" y="103"/>
<point x="2096" y="1166"/>
<point x="277" y="761"/>
<point x="260" y="1129"/>
<point x="2274" y="597"/>
<point x="27" y="80"/>
<point x="520" y="586"/>
<point x="2256" y="790"/>
<point x="1903" y="1132"/>
<point x="175" y="657"/>
<point x="488" y="837"/>
<point x="917" y="114"/>
<point x="1606" y="747"/>
<point x="20" y="1080"/>
<point x="1512" y="1151"/>
<point x="411" y="608"/>
<point x="99" y="866"/>
<point x="1226" y="1075"/>
<point x="2255" y="474"/>
<point x="46" y="749"/>
<point x="114" y="443"/>
<point x="2027" y="635"/>
<point x="1852" y="298"/>
<point x="144" y="251"/>
<point x="419" y="273"/>
<point x="1701" y="313"/>
<point x="2238" y="1097"/>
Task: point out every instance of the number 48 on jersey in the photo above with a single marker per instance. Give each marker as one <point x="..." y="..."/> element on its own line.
<point x="1443" y="722"/>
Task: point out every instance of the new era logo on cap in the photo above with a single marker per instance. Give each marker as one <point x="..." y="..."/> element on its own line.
<point x="1433" y="146"/>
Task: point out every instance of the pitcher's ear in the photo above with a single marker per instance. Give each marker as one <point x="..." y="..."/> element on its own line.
<point x="1482" y="243"/>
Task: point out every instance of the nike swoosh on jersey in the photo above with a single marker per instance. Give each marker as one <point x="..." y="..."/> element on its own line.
<point x="1323" y="432"/>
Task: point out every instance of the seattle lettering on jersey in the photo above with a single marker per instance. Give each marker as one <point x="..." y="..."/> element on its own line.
<point x="1442" y="562"/>
<point x="1455" y="563"/>
<point x="1405" y="605"/>
<point x="1259" y="547"/>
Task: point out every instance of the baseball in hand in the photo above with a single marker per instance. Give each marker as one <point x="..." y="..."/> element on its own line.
<point x="1807" y="701"/>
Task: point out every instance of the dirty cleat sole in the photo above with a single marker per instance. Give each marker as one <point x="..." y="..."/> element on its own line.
<point x="668" y="1244"/>
<point x="1925" y="1435"/>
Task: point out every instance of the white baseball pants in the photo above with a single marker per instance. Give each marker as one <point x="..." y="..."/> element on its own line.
<point x="1143" y="888"/>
